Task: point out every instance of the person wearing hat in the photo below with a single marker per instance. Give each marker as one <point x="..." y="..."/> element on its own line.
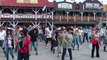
<point x="24" y="46"/>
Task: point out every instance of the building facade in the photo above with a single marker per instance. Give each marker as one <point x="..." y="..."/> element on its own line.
<point x="67" y="13"/>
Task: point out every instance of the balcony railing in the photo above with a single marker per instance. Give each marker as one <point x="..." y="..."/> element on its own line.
<point x="84" y="18"/>
<point x="59" y="18"/>
<point x="31" y="16"/>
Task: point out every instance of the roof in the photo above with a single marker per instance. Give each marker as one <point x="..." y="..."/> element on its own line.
<point x="26" y="3"/>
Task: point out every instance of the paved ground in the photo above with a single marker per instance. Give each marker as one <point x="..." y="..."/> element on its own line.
<point x="45" y="54"/>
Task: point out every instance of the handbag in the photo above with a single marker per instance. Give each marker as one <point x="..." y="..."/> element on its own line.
<point x="90" y="46"/>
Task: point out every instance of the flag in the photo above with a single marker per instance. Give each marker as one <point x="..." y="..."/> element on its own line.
<point x="43" y="9"/>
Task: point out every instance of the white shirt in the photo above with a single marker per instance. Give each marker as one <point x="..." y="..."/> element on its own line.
<point x="89" y="32"/>
<point x="9" y="42"/>
<point x="48" y="33"/>
<point x="102" y="31"/>
<point x="81" y="32"/>
<point x="2" y="35"/>
<point x="40" y="31"/>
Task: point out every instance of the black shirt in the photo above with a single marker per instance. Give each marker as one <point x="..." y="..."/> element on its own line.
<point x="33" y="34"/>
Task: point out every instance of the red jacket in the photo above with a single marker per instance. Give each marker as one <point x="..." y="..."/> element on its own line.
<point x="95" y="41"/>
<point x="25" y="49"/>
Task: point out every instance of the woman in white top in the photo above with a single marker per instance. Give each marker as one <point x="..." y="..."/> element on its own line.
<point x="48" y="34"/>
<point x="9" y="42"/>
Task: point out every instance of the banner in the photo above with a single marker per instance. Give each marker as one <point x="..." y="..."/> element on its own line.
<point x="27" y="1"/>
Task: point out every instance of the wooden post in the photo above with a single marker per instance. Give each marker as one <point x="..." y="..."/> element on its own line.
<point x="81" y="16"/>
<point x="1" y="23"/>
<point x="13" y="23"/>
<point x="14" y="11"/>
<point x="94" y="16"/>
<point x="67" y="12"/>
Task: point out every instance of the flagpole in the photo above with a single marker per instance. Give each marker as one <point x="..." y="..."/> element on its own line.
<point x="46" y="15"/>
<point x="102" y="15"/>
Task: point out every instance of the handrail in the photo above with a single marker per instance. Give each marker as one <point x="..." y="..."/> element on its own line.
<point x="85" y="18"/>
<point x="58" y="17"/>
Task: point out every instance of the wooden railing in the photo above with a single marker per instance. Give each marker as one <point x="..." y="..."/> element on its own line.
<point x="84" y="18"/>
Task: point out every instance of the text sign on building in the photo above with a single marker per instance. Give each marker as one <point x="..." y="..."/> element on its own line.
<point x="92" y="5"/>
<point x="65" y="6"/>
<point x="43" y="16"/>
<point x="27" y="1"/>
<point x="6" y="15"/>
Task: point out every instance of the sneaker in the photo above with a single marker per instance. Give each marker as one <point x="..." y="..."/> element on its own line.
<point x="36" y="53"/>
<point x="98" y="56"/>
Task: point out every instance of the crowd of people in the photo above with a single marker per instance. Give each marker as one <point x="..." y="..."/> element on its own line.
<point x="22" y="39"/>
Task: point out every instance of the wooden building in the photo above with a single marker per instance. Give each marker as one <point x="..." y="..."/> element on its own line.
<point x="31" y="11"/>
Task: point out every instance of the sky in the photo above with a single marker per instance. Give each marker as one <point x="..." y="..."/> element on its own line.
<point x="102" y="1"/>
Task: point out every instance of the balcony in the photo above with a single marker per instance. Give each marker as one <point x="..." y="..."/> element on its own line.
<point x="85" y="18"/>
<point x="57" y="18"/>
<point x="24" y="16"/>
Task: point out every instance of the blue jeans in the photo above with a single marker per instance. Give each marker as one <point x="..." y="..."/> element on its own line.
<point x="76" y="42"/>
<point x="81" y="39"/>
<point x="85" y="37"/>
<point x="23" y="56"/>
<point x="64" y="53"/>
<point x="9" y="50"/>
<point x="35" y="45"/>
<point x="40" y="36"/>
<point x="1" y="43"/>
<point x="102" y="38"/>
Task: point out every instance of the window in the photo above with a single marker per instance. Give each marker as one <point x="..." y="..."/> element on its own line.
<point x="77" y="6"/>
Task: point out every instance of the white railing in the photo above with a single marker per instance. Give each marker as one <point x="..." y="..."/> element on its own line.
<point x="6" y="15"/>
<point x="43" y="16"/>
<point x="24" y="16"/>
